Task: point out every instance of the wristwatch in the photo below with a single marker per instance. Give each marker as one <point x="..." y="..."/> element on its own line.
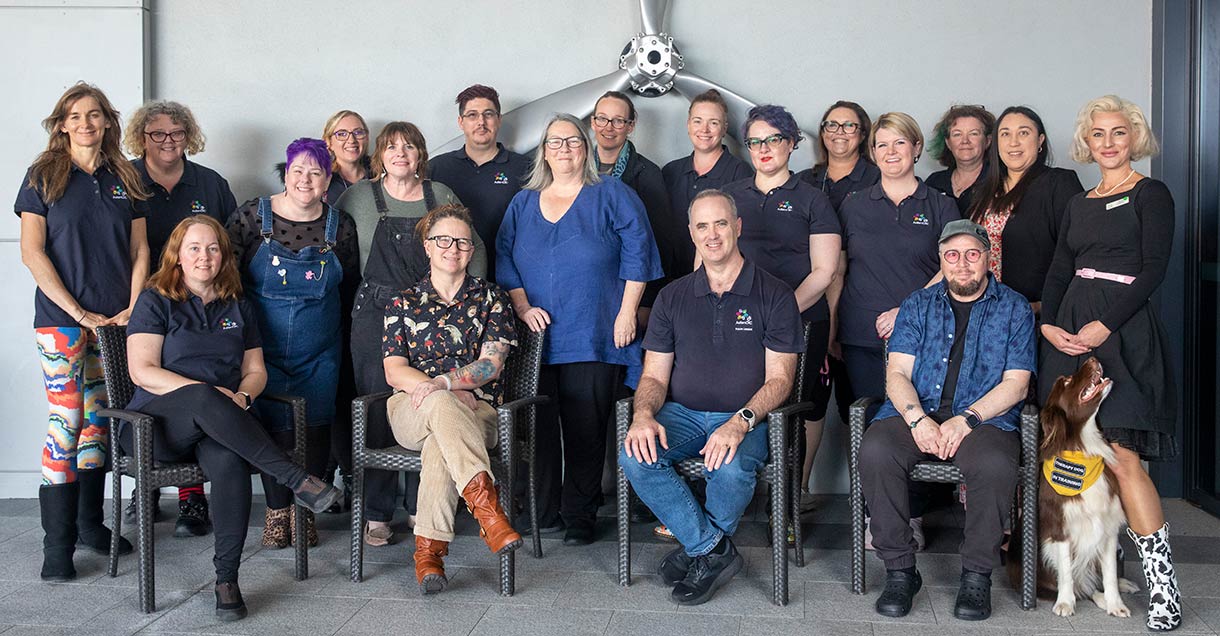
<point x="972" y="418"/>
<point x="747" y="415"/>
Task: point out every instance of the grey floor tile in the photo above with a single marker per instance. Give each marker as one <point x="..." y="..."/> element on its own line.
<point x="1186" y="519"/>
<point x="19" y="508"/>
<point x="11" y="527"/>
<point x="964" y="629"/>
<point x="269" y="614"/>
<point x="1090" y="618"/>
<point x="45" y="604"/>
<point x="602" y="591"/>
<point x="1208" y="609"/>
<point x="631" y="623"/>
<point x="601" y="556"/>
<point x="434" y="616"/>
<point x="753" y="626"/>
<point x="276" y="576"/>
<point x="834" y="601"/>
<point x="751" y="597"/>
<point x="172" y="569"/>
<point x="511" y="621"/>
<point x="125" y="616"/>
<point x="1194" y="579"/>
<point x="1005" y="610"/>
<point x="472" y="585"/>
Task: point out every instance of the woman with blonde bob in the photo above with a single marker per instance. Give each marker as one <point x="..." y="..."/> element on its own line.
<point x="1111" y="257"/>
<point x="196" y="358"/>
<point x="347" y="137"/>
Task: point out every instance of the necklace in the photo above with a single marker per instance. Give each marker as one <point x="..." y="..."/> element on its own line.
<point x="1119" y="185"/>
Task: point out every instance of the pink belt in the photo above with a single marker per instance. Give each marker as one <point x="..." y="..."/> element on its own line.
<point x="1089" y="273"/>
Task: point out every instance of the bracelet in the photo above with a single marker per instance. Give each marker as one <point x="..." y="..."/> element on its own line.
<point x="448" y="384"/>
<point x="83" y="313"/>
<point x="917" y="421"/>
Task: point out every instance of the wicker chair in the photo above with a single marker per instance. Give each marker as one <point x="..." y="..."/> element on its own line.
<point x="150" y="474"/>
<point x="784" y="427"/>
<point x="948" y="473"/>
<point x="520" y="391"/>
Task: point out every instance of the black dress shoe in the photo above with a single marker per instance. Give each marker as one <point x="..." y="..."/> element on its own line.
<point x="193" y="520"/>
<point x="973" y="597"/>
<point x="578" y="534"/>
<point x="707" y="574"/>
<point x="900" y="589"/>
<point x="675" y="565"/>
<point x="229" y="604"/>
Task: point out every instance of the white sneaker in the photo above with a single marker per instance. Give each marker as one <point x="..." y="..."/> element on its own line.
<point x="916" y="529"/>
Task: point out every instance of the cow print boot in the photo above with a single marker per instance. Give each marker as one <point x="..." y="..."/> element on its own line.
<point x="1164" y="601"/>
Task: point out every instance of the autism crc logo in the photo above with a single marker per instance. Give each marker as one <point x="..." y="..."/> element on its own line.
<point x="228" y="323"/>
<point x="785" y="206"/>
<point x="197" y="207"/>
<point x="919" y="219"/>
<point x="501" y="179"/>
<point x="117" y="192"/>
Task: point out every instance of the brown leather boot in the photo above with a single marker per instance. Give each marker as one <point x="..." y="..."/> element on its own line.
<point x="430" y="564"/>
<point x="497" y="532"/>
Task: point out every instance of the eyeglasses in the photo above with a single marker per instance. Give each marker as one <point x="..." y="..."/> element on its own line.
<point x="475" y="115"/>
<point x="848" y="127"/>
<point x="160" y="136"/>
<point x="953" y="256"/>
<point x="342" y="134"/>
<point x="773" y="142"/>
<point x="618" y="123"/>
<point x="444" y="241"/>
<point x="573" y="142"/>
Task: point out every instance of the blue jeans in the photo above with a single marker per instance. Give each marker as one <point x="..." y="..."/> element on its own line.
<point x="729" y="489"/>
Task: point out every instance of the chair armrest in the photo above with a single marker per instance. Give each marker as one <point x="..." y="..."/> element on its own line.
<point x="142" y="434"/>
<point x="511" y="408"/>
<point x="856" y="419"/>
<point x="786" y="413"/>
<point x="360" y="409"/>
<point x="1031" y="427"/>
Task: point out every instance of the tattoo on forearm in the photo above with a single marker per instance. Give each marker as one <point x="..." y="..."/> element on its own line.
<point x="908" y="408"/>
<point x="475" y="374"/>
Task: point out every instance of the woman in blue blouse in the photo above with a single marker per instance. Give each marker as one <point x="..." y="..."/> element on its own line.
<point x="574" y="252"/>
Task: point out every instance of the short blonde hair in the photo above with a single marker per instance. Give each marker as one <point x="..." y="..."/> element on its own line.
<point x="901" y="123"/>
<point x="133" y="138"/>
<point x="1143" y="141"/>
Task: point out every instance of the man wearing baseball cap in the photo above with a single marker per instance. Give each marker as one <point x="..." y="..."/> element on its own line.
<point x="960" y="361"/>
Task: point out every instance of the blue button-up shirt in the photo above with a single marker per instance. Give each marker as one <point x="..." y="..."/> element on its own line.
<point x="999" y="338"/>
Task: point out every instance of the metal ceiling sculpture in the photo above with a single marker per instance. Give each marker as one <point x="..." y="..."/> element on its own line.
<point x="650" y="65"/>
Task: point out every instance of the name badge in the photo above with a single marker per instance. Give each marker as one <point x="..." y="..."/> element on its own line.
<point x="1119" y="203"/>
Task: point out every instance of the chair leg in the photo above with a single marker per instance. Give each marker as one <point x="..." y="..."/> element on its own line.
<point x="796" y="465"/>
<point x="301" y="557"/>
<point x="357" y="564"/>
<point x="623" y="514"/>
<point x="779" y="541"/>
<point x="1029" y="538"/>
<point x="144" y="544"/>
<point x="533" y="495"/>
<point x="857" y="534"/>
<point x="116" y="521"/>
<point x="508" y="561"/>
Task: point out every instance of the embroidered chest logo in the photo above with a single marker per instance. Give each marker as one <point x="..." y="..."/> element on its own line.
<point x="228" y="323"/>
<point x="784" y="206"/>
<point x="920" y="219"/>
<point x="501" y="179"/>
<point x="745" y="322"/>
<point x="197" y="207"/>
<point x="118" y="193"/>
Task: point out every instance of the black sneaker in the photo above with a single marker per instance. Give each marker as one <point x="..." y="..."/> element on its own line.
<point x="973" y="597"/>
<point x="193" y="518"/>
<point x="579" y="533"/>
<point x="129" y="512"/>
<point x="229" y="603"/>
<point x="675" y="565"/>
<point x="900" y="589"/>
<point x="707" y="574"/>
<point x="316" y="494"/>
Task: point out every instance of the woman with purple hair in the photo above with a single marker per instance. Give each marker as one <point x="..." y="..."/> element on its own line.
<point x="298" y="257"/>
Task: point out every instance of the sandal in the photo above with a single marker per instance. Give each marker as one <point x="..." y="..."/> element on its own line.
<point x="377" y="535"/>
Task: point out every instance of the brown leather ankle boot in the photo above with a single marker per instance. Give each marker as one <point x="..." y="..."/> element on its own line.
<point x="430" y="564"/>
<point x="497" y="532"/>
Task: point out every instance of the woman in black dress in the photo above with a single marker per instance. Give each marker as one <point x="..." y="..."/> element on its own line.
<point x="1112" y="253"/>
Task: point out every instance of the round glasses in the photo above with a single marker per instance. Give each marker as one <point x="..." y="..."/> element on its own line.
<point x="953" y="256"/>
<point x="444" y="241"/>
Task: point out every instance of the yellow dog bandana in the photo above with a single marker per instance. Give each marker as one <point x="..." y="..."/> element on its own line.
<point x="1072" y="472"/>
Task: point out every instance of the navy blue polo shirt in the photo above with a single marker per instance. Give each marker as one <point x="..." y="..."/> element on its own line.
<point x="862" y="175"/>
<point x="683" y="183"/>
<point x="88" y="242"/>
<point x="891" y="252"/>
<point x="486" y="190"/>
<point x="201" y="190"/>
<point x="719" y="342"/>
<point x="202" y="342"/>
<point x="775" y="230"/>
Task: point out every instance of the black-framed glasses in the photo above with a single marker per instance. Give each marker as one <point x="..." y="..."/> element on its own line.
<point x="848" y="127"/>
<point x="618" y="123"/>
<point x="160" y="136"/>
<point x="573" y="142"/>
<point x="953" y="256"/>
<point x="444" y="241"/>
<point x="474" y="115"/>
<point x="358" y="133"/>
<point x="773" y="142"/>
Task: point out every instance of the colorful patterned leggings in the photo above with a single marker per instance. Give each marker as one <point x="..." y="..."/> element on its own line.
<point x="72" y="370"/>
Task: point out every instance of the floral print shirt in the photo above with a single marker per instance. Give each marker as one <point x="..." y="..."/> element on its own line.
<point x="994" y="222"/>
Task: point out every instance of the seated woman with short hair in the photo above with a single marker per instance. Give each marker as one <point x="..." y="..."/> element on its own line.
<point x="195" y="356"/>
<point x="446" y="340"/>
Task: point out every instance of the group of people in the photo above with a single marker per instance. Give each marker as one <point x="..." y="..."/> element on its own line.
<point x="378" y="268"/>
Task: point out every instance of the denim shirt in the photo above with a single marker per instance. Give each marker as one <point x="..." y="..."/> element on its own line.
<point x="999" y="338"/>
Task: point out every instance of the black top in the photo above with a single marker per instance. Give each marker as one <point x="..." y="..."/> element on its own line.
<point x="485" y="189"/>
<point x="205" y="343"/>
<point x="643" y="176"/>
<point x="88" y="241"/>
<point x="892" y="250"/>
<point x="864" y="174"/>
<point x="961" y="320"/>
<point x="1032" y="231"/>
<point x="684" y="183"/>
<point x="943" y="180"/>
<point x="775" y="230"/>
<point x="200" y="190"/>
<point x="720" y="342"/>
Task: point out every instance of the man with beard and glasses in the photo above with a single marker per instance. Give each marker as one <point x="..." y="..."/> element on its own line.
<point x="960" y="360"/>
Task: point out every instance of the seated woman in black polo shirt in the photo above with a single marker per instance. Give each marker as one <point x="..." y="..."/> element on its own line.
<point x="195" y="356"/>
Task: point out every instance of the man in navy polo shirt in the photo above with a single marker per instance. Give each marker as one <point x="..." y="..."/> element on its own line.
<point x="960" y="358"/>
<point x="482" y="173"/>
<point x="722" y="346"/>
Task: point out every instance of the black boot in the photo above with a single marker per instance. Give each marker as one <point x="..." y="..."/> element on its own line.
<point x="92" y="534"/>
<point x="193" y="518"/>
<point x="58" y="503"/>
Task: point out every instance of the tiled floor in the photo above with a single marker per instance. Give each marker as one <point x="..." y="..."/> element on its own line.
<point x="570" y="592"/>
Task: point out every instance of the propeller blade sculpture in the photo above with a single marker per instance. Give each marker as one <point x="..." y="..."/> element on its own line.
<point x="650" y="65"/>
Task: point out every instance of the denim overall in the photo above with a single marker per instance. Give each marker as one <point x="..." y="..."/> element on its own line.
<point x="297" y="296"/>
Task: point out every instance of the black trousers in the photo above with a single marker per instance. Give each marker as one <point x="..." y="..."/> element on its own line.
<point x="865" y="372"/>
<point x="572" y="439"/>
<point x="317" y="453"/>
<point x="988" y="460"/>
<point x="198" y="423"/>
